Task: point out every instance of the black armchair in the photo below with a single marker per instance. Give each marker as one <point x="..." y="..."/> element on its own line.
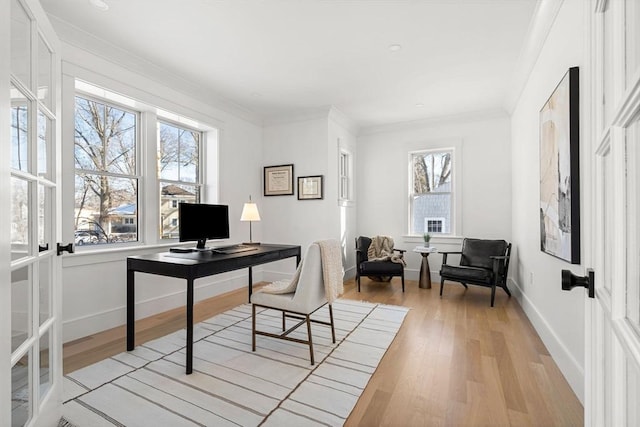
<point x="377" y="269"/>
<point x="482" y="263"/>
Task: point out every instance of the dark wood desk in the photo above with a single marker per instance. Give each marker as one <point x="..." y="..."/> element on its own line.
<point x="194" y="265"/>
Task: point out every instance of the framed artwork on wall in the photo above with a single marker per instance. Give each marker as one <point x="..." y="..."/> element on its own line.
<point x="278" y="180"/>
<point x="559" y="171"/>
<point x="310" y="187"/>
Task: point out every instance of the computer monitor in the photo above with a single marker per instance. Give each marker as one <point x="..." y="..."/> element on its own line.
<point x="199" y="222"/>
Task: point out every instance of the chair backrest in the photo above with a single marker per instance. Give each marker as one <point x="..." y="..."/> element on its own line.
<point x="362" y="247"/>
<point x="477" y="252"/>
<point x="310" y="293"/>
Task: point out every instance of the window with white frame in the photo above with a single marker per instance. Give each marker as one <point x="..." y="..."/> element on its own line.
<point x="110" y="154"/>
<point x="106" y="147"/>
<point x="344" y="193"/>
<point x="179" y="172"/>
<point x="431" y="198"/>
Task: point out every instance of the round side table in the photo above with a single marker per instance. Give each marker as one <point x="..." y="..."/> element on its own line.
<point x="425" y="272"/>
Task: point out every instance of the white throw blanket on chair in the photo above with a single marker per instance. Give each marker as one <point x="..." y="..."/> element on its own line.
<point x="332" y="273"/>
<point x="381" y="249"/>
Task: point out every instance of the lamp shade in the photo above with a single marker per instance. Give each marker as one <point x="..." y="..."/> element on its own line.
<point x="250" y="212"/>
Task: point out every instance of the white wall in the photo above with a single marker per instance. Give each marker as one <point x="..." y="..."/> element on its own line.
<point x="94" y="283"/>
<point x="557" y="316"/>
<point x="485" y="166"/>
<point x="342" y="137"/>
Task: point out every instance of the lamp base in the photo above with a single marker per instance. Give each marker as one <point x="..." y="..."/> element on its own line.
<point x="251" y="243"/>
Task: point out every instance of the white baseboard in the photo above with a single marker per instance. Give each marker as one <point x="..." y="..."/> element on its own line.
<point x="568" y="365"/>
<point x="97" y="322"/>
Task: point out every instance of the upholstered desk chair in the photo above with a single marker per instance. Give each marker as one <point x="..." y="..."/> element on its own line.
<point x="307" y="298"/>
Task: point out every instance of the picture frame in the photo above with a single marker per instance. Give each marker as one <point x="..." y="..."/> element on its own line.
<point x="310" y="187"/>
<point x="278" y="180"/>
<point x="559" y="171"/>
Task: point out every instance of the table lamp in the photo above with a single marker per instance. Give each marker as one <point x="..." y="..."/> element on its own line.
<point x="250" y="213"/>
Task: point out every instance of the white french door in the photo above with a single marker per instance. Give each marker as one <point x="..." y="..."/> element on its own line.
<point x="613" y="321"/>
<point x="32" y="190"/>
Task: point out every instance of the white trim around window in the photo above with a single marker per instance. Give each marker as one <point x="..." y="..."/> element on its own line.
<point x="454" y="229"/>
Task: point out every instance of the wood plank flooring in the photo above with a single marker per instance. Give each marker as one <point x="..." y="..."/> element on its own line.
<point x="455" y="362"/>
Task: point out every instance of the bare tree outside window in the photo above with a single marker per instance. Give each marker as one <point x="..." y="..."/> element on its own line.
<point x="106" y="184"/>
<point x="179" y="173"/>
<point x="431" y="185"/>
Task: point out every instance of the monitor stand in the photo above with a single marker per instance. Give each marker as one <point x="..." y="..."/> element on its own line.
<point x="200" y="247"/>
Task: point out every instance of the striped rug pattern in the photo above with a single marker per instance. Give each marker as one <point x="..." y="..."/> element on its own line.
<point x="232" y="386"/>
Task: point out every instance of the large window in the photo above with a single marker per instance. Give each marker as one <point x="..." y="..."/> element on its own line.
<point x="431" y="192"/>
<point x="106" y="179"/>
<point x="179" y="172"/>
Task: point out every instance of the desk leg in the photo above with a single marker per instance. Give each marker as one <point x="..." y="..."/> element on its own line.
<point x="131" y="311"/>
<point x="250" y="283"/>
<point x="425" y="273"/>
<point x="189" y="326"/>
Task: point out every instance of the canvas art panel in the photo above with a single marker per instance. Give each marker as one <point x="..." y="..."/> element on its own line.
<point x="559" y="174"/>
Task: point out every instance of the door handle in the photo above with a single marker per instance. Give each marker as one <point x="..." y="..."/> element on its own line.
<point x="570" y="281"/>
<point x="68" y="248"/>
<point x="42" y="248"/>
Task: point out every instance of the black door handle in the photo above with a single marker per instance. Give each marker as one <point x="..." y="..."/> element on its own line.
<point x="42" y="248"/>
<point x="68" y="248"/>
<point x="570" y="281"/>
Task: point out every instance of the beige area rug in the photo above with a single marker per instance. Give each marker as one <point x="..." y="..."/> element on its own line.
<point x="230" y="384"/>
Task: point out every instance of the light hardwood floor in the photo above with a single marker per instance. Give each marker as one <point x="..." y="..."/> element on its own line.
<point x="455" y="362"/>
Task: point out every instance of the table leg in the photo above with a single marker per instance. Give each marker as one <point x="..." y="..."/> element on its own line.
<point x="131" y="311"/>
<point x="189" y="326"/>
<point x="425" y="273"/>
<point x="250" y="283"/>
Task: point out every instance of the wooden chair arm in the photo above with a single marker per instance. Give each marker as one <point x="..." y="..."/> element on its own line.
<point x="445" y="253"/>
<point x="402" y="251"/>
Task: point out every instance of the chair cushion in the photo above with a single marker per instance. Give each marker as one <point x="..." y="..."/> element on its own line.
<point x="382" y="268"/>
<point x="462" y="273"/>
<point x="363" y="244"/>
<point x="477" y="252"/>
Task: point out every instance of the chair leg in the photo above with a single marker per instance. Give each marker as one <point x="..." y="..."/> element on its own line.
<point x="283" y="322"/>
<point x="310" y="340"/>
<point x="506" y="290"/>
<point x="358" y="280"/>
<point x="253" y="327"/>
<point x="403" y="281"/>
<point x="493" y="293"/>
<point x="441" y="287"/>
<point x="333" y="329"/>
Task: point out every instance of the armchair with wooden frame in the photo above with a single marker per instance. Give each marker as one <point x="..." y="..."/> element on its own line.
<point x="376" y="269"/>
<point x="482" y="262"/>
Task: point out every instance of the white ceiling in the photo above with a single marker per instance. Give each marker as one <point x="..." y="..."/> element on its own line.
<point x="279" y="57"/>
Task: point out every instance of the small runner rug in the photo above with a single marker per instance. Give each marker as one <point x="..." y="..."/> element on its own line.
<point x="232" y="386"/>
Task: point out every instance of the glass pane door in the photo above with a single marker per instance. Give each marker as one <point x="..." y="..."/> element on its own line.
<point x="34" y="321"/>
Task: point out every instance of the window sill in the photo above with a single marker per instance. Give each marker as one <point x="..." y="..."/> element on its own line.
<point x="435" y="240"/>
<point x="114" y="253"/>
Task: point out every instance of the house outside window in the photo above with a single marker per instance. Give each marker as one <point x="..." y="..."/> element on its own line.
<point x="179" y="172"/>
<point x="106" y="147"/>
<point x="431" y="198"/>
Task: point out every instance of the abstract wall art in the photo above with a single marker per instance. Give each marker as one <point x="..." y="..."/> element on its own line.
<point x="559" y="171"/>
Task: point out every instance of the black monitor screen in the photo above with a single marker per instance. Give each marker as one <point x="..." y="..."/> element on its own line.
<point x="199" y="222"/>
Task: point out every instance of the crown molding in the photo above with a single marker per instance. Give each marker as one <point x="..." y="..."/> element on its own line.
<point x="87" y="42"/>
<point x="343" y="120"/>
<point x="539" y="28"/>
<point x="470" y="116"/>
